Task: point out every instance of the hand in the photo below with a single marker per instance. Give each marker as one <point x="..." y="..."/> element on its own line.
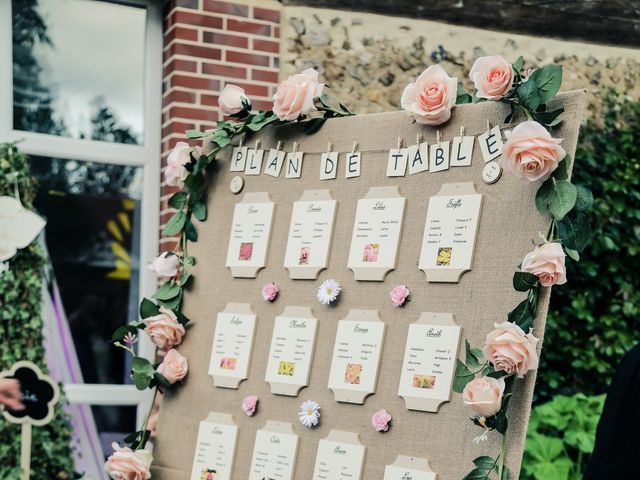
<point x="10" y="396"/>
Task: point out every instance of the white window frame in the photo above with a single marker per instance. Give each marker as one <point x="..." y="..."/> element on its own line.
<point x="146" y="156"/>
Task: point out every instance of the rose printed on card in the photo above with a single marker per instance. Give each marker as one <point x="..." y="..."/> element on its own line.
<point x="246" y="251"/>
<point x="305" y="253"/>
<point x="352" y="373"/>
<point x="424" y="381"/>
<point x="371" y="252"/>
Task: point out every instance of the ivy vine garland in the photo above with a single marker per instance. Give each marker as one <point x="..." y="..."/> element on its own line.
<point x="526" y="92"/>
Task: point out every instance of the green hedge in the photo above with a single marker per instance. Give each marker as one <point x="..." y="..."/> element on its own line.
<point x="22" y="339"/>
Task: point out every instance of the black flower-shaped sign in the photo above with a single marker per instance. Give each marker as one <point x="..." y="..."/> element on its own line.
<point x="39" y="394"/>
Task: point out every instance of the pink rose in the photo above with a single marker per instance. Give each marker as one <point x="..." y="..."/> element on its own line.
<point x="484" y="396"/>
<point x="233" y="100"/>
<point x="547" y="263"/>
<point x="249" y="405"/>
<point x="126" y="464"/>
<point x="432" y="96"/>
<point x="164" y="329"/>
<point x="510" y="350"/>
<point x="174" y="367"/>
<point x="399" y="295"/>
<point x="269" y="292"/>
<point x="295" y="95"/>
<point x="380" y="420"/>
<point x="492" y="76"/>
<point x="175" y="172"/>
<point x="165" y="266"/>
<point x="530" y="152"/>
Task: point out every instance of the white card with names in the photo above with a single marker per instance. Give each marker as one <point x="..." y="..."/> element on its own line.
<point x="409" y="468"/>
<point x="340" y="457"/>
<point x="376" y="233"/>
<point x="249" y="236"/>
<point x="232" y="345"/>
<point x="448" y="242"/>
<point x="274" y="452"/>
<point x="356" y="356"/>
<point x="429" y="362"/>
<point x="291" y="352"/>
<point x="310" y="234"/>
<point x="215" y="448"/>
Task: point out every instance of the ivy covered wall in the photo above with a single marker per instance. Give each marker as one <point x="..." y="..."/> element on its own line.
<point x="21" y="338"/>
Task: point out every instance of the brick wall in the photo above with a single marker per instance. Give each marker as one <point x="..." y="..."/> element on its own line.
<point x="208" y="43"/>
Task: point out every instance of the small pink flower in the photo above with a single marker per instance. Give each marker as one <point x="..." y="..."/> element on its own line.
<point x="269" y="292"/>
<point x="174" y="367"/>
<point x="380" y="420"/>
<point x="399" y="295"/>
<point x="295" y="96"/>
<point x="165" y="266"/>
<point x="547" y="263"/>
<point x="484" y="396"/>
<point x="233" y="100"/>
<point x="249" y="405"/>
<point x="492" y="76"/>
<point x="127" y="464"/>
<point x="511" y="350"/>
<point x="130" y="338"/>
<point x="431" y="97"/>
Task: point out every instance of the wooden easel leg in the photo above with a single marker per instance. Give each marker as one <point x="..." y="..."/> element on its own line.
<point x="25" y="451"/>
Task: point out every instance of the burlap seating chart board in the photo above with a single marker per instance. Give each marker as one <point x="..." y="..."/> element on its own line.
<point x="509" y="224"/>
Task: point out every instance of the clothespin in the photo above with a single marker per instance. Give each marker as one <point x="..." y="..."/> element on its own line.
<point x="355" y="146"/>
<point x="258" y="143"/>
<point x="462" y="130"/>
<point x="399" y="143"/>
<point x="295" y="147"/>
<point x="330" y="147"/>
<point x="418" y="138"/>
<point x="488" y="125"/>
<point x="438" y="139"/>
<point x="279" y="146"/>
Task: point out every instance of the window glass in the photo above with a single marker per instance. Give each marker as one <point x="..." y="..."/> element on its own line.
<point x="78" y="69"/>
<point x="92" y="235"/>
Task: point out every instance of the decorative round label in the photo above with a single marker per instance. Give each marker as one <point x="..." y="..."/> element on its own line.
<point x="491" y="172"/>
<point x="237" y="184"/>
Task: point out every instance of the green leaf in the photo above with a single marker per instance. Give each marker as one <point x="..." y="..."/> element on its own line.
<point x="182" y="318"/>
<point x="476" y="474"/>
<point x="524" y="281"/>
<point x="199" y="210"/>
<point x="528" y="95"/>
<point x="313" y="125"/>
<point x="175" y="223"/>
<point x="190" y="261"/>
<point x="574" y="255"/>
<point x="195" y="134"/>
<point x="584" y="198"/>
<point x="557" y="197"/>
<point x="562" y="171"/>
<point x="518" y="64"/>
<point x="123" y="331"/>
<point x="172" y="304"/>
<point x="167" y="291"/>
<point x="473" y="356"/>
<point x="462" y="96"/>
<point x="550" y="119"/>
<point x="485" y="462"/>
<point x="548" y="80"/>
<point x="160" y="379"/>
<point x="574" y="231"/>
<point x="148" y="308"/>
<point x="185" y="278"/>
<point x="462" y="376"/>
<point x="178" y="200"/>
<point x="190" y="231"/>
<point x="142" y="372"/>
<point x="522" y="315"/>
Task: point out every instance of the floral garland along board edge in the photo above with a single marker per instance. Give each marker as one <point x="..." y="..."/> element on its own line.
<point x="486" y="376"/>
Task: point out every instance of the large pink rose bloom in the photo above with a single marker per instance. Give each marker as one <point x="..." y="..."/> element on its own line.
<point x="547" y="263"/>
<point x="530" y="152"/>
<point x="231" y="100"/>
<point x="432" y="96"/>
<point x="511" y="350"/>
<point x="126" y="464"/>
<point x="176" y="172"/>
<point x="164" y="329"/>
<point x="484" y="395"/>
<point x="174" y="366"/>
<point x="295" y="95"/>
<point x="492" y="76"/>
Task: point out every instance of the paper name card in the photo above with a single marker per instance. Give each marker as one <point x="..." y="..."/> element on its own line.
<point x="310" y="234"/>
<point x="376" y="233"/>
<point x="232" y="345"/>
<point x="340" y="457"/>
<point x="250" y="233"/>
<point x="291" y="352"/>
<point x="429" y="362"/>
<point x="356" y="356"/>
<point x="448" y="242"/>
<point x="215" y="448"/>
<point x="274" y="452"/>
<point x="409" y="468"/>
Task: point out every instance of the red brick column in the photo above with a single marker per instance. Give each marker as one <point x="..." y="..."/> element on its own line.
<point x="207" y="44"/>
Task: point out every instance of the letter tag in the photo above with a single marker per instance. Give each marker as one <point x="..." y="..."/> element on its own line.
<point x="352" y="168"/>
<point x="238" y="159"/>
<point x="491" y="144"/>
<point x="462" y="151"/>
<point x="418" y="158"/>
<point x="328" y="165"/>
<point x="254" y="162"/>
<point x="275" y="159"/>
<point x="439" y="157"/>
<point x="293" y="165"/>
<point x="397" y="165"/>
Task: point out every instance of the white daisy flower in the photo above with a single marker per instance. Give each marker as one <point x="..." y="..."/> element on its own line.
<point x="328" y="291"/>
<point x="309" y="413"/>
